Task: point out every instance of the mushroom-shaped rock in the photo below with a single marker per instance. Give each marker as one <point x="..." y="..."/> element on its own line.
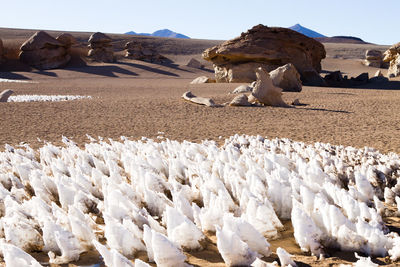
<point x="392" y="56"/>
<point x="240" y="100"/>
<point x="101" y="49"/>
<point x="199" y="100"/>
<point x="44" y="52"/>
<point x="202" y="79"/>
<point x="5" y="95"/>
<point x="194" y="63"/>
<point x="265" y="91"/>
<point x="287" y="78"/>
<point x="373" y="58"/>
<point x="135" y="50"/>
<point x="268" y="47"/>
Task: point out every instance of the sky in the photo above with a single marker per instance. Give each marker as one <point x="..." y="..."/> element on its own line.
<point x="371" y="20"/>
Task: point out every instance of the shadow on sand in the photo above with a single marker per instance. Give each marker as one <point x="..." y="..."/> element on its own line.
<point x="13" y="76"/>
<point x="150" y="69"/>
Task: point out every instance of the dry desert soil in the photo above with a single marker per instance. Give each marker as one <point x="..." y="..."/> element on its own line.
<point x="134" y="99"/>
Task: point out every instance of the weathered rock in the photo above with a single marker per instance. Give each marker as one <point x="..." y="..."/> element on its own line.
<point x="242" y="89"/>
<point x="67" y="40"/>
<point x="265" y="92"/>
<point x="202" y="79"/>
<point x="5" y="95"/>
<point x="378" y="79"/>
<point x="312" y="78"/>
<point x="240" y="100"/>
<point x="267" y="47"/>
<point x="392" y="56"/>
<point x="44" y="52"/>
<point x="199" y="100"/>
<point x="373" y="58"/>
<point x="334" y="79"/>
<point x="287" y="78"/>
<point x="101" y="49"/>
<point x="378" y="73"/>
<point x="1" y="51"/>
<point x="135" y="50"/>
<point x="363" y="77"/>
<point x="194" y="63"/>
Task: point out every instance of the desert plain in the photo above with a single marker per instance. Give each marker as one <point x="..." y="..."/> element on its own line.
<point x="138" y="99"/>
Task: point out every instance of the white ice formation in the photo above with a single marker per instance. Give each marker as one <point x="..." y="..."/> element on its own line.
<point x="2" y="80"/>
<point x="45" y="98"/>
<point x="163" y="197"/>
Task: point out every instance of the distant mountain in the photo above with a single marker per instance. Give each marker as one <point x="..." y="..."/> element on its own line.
<point x="162" y="33"/>
<point x="306" y="31"/>
<point x="341" y="39"/>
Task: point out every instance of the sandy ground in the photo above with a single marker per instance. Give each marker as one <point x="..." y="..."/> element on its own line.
<point x="135" y="99"/>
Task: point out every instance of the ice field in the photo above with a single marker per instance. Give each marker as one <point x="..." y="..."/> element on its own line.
<point x="164" y="197"/>
<point x="44" y="98"/>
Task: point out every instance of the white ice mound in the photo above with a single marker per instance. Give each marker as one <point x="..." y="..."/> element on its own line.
<point x="2" y="80"/>
<point x="285" y="257"/>
<point x="233" y="250"/>
<point x="45" y="98"/>
<point x="112" y="257"/>
<point x="16" y="257"/>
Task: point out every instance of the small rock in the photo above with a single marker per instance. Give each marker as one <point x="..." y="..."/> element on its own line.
<point x="296" y="102"/>
<point x="242" y="89"/>
<point x="202" y="79"/>
<point x="240" y="100"/>
<point x="287" y="78"/>
<point x="378" y="73"/>
<point x="5" y="95"/>
<point x="194" y="63"/>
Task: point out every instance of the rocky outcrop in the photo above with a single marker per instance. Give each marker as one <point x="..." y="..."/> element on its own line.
<point x="44" y="52"/>
<point x="267" y="47"/>
<point x="101" y="49"/>
<point x="135" y="50"/>
<point x="392" y="56"/>
<point x="1" y="52"/>
<point x="67" y="40"/>
<point x="202" y="79"/>
<point x="287" y="78"/>
<point x="194" y="63"/>
<point x="373" y="58"/>
<point x="5" y="95"/>
<point x="265" y="92"/>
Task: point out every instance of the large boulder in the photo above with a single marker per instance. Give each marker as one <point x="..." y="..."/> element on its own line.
<point x="287" y="78"/>
<point x="373" y="58"/>
<point x="265" y="92"/>
<point x="135" y="50"/>
<point x="44" y="52"/>
<point x="267" y="47"/>
<point x="392" y="56"/>
<point x="101" y="49"/>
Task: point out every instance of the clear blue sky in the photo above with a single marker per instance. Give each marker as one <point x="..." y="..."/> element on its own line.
<point x="372" y="20"/>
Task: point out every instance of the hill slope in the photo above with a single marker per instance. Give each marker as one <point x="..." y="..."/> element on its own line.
<point x="162" y="33"/>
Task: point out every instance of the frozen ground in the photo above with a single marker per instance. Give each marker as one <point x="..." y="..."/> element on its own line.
<point x="44" y="98"/>
<point x="161" y="198"/>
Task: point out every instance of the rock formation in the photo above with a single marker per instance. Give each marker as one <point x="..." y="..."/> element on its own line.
<point x="202" y="79"/>
<point x="67" y="40"/>
<point x="199" y="100"/>
<point x="5" y="95"/>
<point x="242" y="89"/>
<point x="268" y="47"/>
<point x="135" y="50"/>
<point x="194" y="63"/>
<point x="373" y="58"/>
<point x="240" y="100"/>
<point x="1" y="52"/>
<point x="287" y="78"/>
<point x="265" y="92"/>
<point x="392" y="56"/>
<point x="44" y="52"/>
<point x="101" y="49"/>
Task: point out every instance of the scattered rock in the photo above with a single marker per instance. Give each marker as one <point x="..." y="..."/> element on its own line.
<point x="240" y="100"/>
<point x="5" y="95"/>
<point x="101" y="49"/>
<point x="267" y="47"/>
<point x="194" y="63"/>
<point x="199" y="100"/>
<point x="373" y="58"/>
<point x="242" y="89"/>
<point x="312" y="78"/>
<point x="287" y="78"/>
<point x="44" y="52"/>
<point x="202" y="79"/>
<point x="135" y="50"/>
<point x="265" y="92"/>
<point x="392" y="56"/>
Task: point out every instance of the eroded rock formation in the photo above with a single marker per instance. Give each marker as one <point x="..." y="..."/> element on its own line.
<point x="267" y="47"/>
<point x="373" y="58"/>
<point x="101" y="49"/>
<point x="287" y="78"/>
<point x="135" y="50"/>
<point x="44" y="52"/>
<point x="392" y="56"/>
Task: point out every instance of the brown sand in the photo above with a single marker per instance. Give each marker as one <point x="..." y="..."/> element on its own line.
<point x="135" y="99"/>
